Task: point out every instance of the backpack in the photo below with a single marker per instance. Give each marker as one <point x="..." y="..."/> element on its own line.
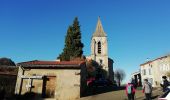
<point x="148" y="88"/>
<point x="166" y="83"/>
<point x="129" y="89"/>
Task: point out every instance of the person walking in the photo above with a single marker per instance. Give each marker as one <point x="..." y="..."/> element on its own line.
<point x="147" y="89"/>
<point x="130" y="91"/>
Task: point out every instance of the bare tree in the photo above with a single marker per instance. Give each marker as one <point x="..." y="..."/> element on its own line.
<point x="119" y="75"/>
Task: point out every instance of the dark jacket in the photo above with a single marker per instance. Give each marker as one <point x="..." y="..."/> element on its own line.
<point x="165" y="85"/>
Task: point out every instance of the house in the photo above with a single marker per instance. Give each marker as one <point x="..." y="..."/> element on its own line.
<point x="65" y="80"/>
<point x="153" y="70"/>
<point x="136" y="78"/>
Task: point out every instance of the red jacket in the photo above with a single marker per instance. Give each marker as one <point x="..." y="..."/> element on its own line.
<point x="133" y="89"/>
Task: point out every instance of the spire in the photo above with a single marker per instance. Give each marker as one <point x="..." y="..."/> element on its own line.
<point x="99" y="29"/>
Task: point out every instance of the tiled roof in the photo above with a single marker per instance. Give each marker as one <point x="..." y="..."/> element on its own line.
<point x="52" y="64"/>
<point x="148" y="62"/>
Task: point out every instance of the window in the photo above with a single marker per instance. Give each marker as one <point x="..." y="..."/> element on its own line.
<point x="101" y="61"/>
<point x="150" y="80"/>
<point x="150" y="72"/>
<point x="144" y="72"/>
<point x="151" y="66"/>
<point x="156" y="83"/>
<point x="99" y="47"/>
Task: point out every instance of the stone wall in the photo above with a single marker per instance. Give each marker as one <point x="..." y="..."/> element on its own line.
<point x="7" y="85"/>
<point x="67" y="82"/>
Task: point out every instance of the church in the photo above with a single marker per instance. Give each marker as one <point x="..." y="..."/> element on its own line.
<point x="99" y="50"/>
<point x="63" y="80"/>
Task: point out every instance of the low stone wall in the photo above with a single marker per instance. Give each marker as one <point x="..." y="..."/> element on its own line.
<point x="7" y="85"/>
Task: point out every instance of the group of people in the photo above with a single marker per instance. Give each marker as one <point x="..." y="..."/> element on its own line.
<point x="146" y="88"/>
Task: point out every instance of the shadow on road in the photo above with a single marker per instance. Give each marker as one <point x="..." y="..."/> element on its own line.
<point x="99" y="90"/>
<point x="154" y="97"/>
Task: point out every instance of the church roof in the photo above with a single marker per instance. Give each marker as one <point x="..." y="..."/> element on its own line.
<point x="51" y="64"/>
<point x="99" y="32"/>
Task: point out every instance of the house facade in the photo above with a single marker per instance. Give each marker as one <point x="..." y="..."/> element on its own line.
<point x="52" y="79"/>
<point x="136" y="78"/>
<point x="153" y="70"/>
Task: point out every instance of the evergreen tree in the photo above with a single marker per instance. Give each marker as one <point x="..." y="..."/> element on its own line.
<point x="65" y="55"/>
<point x="73" y="46"/>
<point x="78" y="45"/>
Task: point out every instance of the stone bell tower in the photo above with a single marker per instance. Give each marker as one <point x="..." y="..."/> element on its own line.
<point x="99" y="52"/>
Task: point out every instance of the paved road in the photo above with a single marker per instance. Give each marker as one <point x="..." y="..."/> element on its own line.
<point x="120" y="95"/>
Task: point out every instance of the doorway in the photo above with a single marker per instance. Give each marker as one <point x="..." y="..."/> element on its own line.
<point x="49" y="84"/>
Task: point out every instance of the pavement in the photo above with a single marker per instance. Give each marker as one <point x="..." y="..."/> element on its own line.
<point x="121" y="95"/>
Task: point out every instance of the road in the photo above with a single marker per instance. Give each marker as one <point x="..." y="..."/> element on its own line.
<point x="120" y="95"/>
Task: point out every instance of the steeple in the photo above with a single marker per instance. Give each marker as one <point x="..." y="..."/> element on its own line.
<point x="99" y="50"/>
<point x="99" y="30"/>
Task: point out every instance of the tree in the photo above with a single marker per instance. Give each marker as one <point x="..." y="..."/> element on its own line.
<point x="91" y="67"/>
<point x="119" y="75"/>
<point x="73" y="46"/>
<point x="67" y="51"/>
<point x="7" y="65"/>
<point x="95" y="70"/>
<point x="78" y="45"/>
<point x="6" y="61"/>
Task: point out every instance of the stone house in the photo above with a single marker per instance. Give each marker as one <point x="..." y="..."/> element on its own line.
<point x="136" y="78"/>
<point x="65" y="80"/>
<point x="153" y="70"/>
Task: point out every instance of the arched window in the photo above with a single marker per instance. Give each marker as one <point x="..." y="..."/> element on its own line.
<point x="99" y="47"/>
<point x="101" y="61"/>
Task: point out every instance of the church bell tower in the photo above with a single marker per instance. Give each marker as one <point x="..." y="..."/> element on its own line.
<point x="99" y="48"/>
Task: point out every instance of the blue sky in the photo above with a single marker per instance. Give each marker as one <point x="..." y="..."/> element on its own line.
<point x="35" y="29"/>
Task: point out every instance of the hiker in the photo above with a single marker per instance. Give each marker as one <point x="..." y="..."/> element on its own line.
<point x="164" y="84"/>
<point x="147" y="89"/>
<point x="130" y="91"/>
